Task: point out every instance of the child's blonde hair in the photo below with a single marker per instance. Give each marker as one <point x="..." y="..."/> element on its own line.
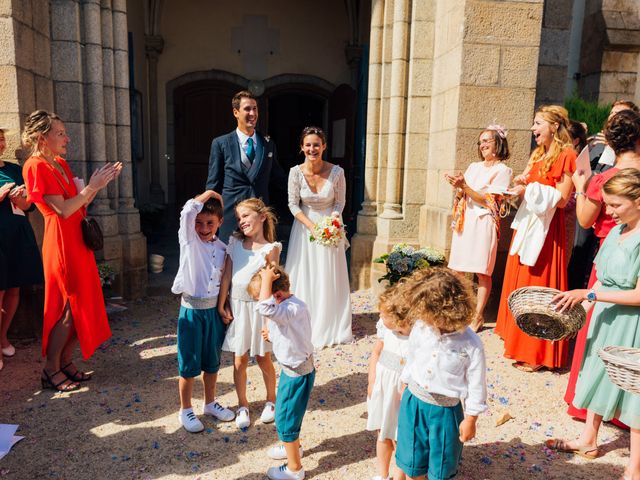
<point x="280" y="284"/>
<point x="440" y="298"/>
<point x="269" y="225"/>
<point x="391" y="306"/>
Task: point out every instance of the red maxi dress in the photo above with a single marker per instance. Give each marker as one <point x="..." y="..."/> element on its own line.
<point x="550" y="270"/>
<point x="601" y="228"/>
<point x="70" y="270"/>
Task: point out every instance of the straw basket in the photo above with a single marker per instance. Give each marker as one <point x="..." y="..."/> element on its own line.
<point x="623" y="367"/>
<point x="536" y="316"/>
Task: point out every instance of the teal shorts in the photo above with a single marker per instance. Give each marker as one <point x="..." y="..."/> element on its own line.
<point x="428" y="442"/>
<point x="291" y="403"/>
<point x="200" y="337"/>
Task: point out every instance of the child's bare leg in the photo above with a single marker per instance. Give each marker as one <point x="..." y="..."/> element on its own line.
<point x="293" y="455"/>
<point x="209" y="381"/>
<point x="398" y="474"/>
<point x="268" y="374"/>
<point x="240" y="378"/>
<point x="384" y="451"/>
<point x="633" y="468"/>
<point x="185" y="386"/>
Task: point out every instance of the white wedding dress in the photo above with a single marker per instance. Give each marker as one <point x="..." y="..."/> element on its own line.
<point x="318" y="273"/>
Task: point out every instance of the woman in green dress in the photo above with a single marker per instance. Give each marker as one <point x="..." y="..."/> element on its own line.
<point x="615" y="321"/>
<point x="20" y="262"/>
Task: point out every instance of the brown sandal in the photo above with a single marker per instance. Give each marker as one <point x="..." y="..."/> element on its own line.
<point x="590" y="452"/>
<point x="477" y="324"/>
<point x="526" y="367"/>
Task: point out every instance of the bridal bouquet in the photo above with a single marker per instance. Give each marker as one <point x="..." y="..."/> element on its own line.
<point x="329" y="231"/>
<point x="404" y="259"/>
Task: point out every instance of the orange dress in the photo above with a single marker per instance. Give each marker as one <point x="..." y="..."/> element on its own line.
<point x="70" y="270"/>
<point x="549" y="271"/>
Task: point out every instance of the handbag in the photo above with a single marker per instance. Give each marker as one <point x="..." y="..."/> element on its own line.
<point x="91" y="231"/>
<point x="92" y="234"/>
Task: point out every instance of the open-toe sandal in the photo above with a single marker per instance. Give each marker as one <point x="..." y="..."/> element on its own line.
<point x="77" y="376"/>
<point x="477" y="324"/>
<point x="47" y="382"/>
<point x="525" y="367"/>
<point x="590" y="452"/>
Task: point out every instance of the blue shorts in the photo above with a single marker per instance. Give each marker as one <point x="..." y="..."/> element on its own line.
<point x="200" y="336"/>
<point x="291" y="403"/>
<point x="428" y="442"/>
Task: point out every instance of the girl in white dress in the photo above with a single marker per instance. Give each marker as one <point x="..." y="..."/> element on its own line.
<point x="384" y="388"/>
<point x="250" y="248"/>
<point x="318" y="273"/>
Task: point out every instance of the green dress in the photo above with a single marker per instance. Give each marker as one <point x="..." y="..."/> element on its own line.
<point x="20" y="261"/>
<point x="618" y="268"/>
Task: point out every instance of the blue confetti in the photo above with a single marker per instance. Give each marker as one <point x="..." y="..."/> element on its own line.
<point x="503" y="400"/>
<point x="486" y="460"/>
<point x="156" y="445"/>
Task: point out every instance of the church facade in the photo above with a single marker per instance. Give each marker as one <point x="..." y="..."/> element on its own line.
<point x="402" y="87"/>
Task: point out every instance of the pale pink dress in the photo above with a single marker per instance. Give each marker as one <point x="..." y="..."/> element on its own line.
<point x="474" y="249"/>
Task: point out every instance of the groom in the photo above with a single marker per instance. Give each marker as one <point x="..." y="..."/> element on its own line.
<point x="243" y="163"/>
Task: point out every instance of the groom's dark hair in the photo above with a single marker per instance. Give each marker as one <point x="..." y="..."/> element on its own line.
<point x="237" y="98"/>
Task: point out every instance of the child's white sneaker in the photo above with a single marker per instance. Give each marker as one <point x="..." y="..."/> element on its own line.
<point x="283" y="473"/>
<point x="218" y="411"/>
<point x="242" y="418"/>
<point x="189" y="421"/>
<point x="280" y="453"/>
<point x="268" y="413"/>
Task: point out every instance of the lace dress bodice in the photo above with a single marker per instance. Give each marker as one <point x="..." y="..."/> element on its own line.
<point x="330" y="198"/>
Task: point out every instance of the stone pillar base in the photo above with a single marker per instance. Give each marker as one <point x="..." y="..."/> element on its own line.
<point x="361" y="248"/>
<point x="134" y="266"/>
<point x="435" y="228"/>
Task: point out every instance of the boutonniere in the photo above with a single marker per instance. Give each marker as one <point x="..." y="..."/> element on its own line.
<point x="267" y="138"/>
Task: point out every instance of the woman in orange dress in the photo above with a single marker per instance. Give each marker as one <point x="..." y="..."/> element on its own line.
<point x="73" y="304"/>
<point x="552" y="163"/>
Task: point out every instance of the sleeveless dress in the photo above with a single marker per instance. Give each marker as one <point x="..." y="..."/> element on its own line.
<point x="618" y="268"/>
<point x="70" y="271"/>
<point x="318" y="273"/>
<point x="550" y="271"/>
<point x="384" y="404"/>
<point x="474" y="249"/>
<point x="244" y="332"/>
<point x="22" y="264"/>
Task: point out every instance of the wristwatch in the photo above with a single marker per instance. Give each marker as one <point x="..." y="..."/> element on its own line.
<point x="591" y="295"/>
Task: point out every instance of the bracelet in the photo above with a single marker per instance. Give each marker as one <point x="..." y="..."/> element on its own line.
<point x="577" y="194"/>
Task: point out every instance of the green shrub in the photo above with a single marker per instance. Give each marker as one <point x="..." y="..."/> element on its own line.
<point x="591" y="113"/>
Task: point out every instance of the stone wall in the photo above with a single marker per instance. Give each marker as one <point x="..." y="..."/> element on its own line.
<point x="554" y="52"/>
<point x="470" y="63"/>
<point x="70" y="56"/>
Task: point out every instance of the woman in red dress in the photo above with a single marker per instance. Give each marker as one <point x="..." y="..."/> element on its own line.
<point x="622" y="133"/>
<point x="73" y="303"/>
<point x="552" y="163"/>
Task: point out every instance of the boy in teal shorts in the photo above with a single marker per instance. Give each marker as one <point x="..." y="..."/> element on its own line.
<point x="288" y="328"/>
<point x="200" y="328"/>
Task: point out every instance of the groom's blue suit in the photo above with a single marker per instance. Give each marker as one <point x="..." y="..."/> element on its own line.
<point x="228" y="176"/>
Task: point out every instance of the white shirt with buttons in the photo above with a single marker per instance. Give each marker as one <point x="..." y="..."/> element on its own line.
<point x="201" y="263"/>
<point x="451" y="364"/>
<point x="289" y="329"/>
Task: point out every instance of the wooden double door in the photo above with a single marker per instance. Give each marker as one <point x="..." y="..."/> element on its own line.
<point x="203" y="111"/>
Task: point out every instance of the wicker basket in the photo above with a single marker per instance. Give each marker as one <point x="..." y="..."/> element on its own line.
<point x="536" y="316"/>
<point x="623" y="367"/>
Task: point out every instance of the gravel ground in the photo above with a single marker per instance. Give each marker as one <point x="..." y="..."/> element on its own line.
<point x="123" y="424"/>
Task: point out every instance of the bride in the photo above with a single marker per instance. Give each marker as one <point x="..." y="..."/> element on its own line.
<point x="318" y="273"/>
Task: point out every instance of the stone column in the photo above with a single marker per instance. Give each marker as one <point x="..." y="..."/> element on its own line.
<point x="153" y="48"/>
<point x="134" y="244"/>
<point x="398" y="135"/>
<point x="392" y="208"/>
<point x="481" y="74"/>
<point x="108" y="91"/>
<point x="95" y="120"/>
<point x="362" y="242"/>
